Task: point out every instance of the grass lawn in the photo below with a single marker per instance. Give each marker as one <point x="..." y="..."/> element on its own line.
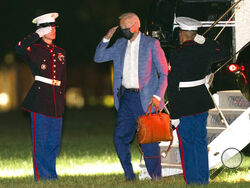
<point x="87" y="157"/>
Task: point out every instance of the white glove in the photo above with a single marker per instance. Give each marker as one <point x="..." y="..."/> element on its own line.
<point x="199" y="39"/>
<point x="43" y="31"/>
<point x="175" y="123"/>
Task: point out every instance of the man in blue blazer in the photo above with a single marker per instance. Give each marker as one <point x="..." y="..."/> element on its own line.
<point x="140" y="78"/>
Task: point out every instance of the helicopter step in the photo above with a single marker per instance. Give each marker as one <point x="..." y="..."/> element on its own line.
<point x="231" y="99"/>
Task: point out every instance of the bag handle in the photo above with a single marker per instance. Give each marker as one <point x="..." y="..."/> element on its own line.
<point x="157" y="109"/>
<point x="142" y="153"/>
<point x="163" y="153"/>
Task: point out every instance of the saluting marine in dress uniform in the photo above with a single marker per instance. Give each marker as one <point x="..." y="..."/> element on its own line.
<point x="45" y="100"/>
<point x="189" y="99"/>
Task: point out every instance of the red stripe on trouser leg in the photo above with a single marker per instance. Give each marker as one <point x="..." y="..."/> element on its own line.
<point x="54" y="100"/>
<point x="182" y="154"/>
<point x="34" y="121"/>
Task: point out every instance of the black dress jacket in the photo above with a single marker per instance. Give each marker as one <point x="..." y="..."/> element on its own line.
<point x="46" y="60"/>
<point x="191" y="62"/>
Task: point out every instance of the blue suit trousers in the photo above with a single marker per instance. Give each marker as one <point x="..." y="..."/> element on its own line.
<point x="192" y="135"/>
<point x="130" y="109"/>
<point x="46" y="140"/>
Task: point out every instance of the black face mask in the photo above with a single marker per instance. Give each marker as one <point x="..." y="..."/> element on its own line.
<point x="126" y="33"/>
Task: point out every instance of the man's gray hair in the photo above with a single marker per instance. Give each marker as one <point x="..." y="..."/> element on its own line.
<point x="130" y="15"/>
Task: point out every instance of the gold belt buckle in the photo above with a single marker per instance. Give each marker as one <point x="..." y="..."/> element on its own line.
<point x="56" y="83"/>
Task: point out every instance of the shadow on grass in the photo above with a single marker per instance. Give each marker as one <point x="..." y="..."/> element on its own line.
<point x="111" y="180"/>
<point x="100" y="180"/>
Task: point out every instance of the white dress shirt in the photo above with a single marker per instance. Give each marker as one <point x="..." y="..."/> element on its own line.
<point x="130" y="68"/>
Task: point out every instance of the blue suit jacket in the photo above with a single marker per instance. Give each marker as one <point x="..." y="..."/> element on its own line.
<point x="152" y="68"/>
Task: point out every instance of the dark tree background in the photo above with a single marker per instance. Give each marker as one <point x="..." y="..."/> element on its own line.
<point x="82" y="23"/>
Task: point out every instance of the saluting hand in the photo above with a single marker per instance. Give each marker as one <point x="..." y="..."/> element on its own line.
<point x="110" y="33"/>
<point x="43" y="31"/>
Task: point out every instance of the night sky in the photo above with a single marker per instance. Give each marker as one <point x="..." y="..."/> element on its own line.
<point x="82" y="23"/>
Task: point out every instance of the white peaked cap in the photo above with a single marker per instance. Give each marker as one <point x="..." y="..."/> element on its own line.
<point x="188" y="24"/>
<point x="45" y="18"/>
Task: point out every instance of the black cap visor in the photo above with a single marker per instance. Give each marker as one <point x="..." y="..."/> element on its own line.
<point x="47" y="24"/>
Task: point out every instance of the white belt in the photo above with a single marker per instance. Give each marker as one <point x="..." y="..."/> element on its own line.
<point x="48" y="81"/>
<point x="192" y="83"/>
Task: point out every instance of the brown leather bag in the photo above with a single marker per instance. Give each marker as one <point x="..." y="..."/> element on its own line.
<point x="154" y="128"/>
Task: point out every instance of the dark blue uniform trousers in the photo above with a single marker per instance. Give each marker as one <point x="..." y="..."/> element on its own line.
<point x="46" y="140"/>
<point x="192" y="135"/>
<point x="130" y="109"/>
